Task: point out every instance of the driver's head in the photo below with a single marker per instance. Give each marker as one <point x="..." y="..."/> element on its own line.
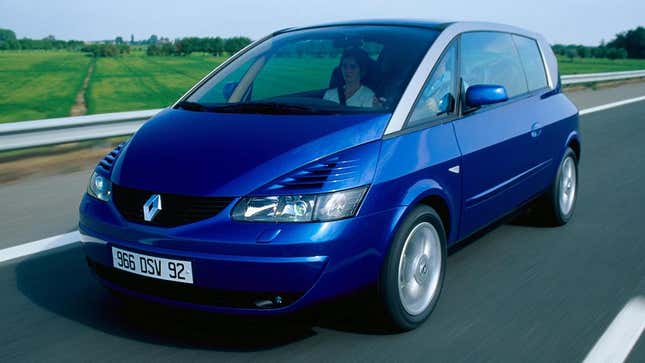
<point x="353" y="64"/>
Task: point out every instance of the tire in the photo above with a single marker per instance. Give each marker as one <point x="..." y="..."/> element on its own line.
<point x="422" y="268"/>
<point x="559" y="202"/>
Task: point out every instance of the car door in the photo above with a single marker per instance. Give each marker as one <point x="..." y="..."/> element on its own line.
<point x="540" y="113"/>
<point x="498" y="153"/>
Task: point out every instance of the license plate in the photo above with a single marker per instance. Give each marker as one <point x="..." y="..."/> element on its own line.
<point x="155" y="267"/>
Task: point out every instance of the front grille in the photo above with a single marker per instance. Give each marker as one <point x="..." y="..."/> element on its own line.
<point x="191" y="293"/>
<point x="176" y="209"/>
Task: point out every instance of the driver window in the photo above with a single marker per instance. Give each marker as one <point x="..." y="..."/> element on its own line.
<point x="438" y="95"/>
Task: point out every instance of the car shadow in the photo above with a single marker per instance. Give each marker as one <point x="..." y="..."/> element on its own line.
<point x="61" y="282"/>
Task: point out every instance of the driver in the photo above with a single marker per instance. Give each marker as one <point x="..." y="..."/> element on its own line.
<point x="353" y="66"/>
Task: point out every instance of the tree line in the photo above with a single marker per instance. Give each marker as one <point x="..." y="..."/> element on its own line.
<point x="216" y="46"/>
<point x="629" y="44"/>
<point x="155" y="45"/>
<point x="9" y="41"/>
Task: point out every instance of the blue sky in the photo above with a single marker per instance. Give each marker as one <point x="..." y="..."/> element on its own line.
<point x="561" y="21"/>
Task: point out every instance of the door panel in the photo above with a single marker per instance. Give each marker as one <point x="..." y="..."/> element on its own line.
<point x="500" y="162"/>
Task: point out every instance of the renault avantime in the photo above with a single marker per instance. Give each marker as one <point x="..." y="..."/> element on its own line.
<point x="326" y="159"/>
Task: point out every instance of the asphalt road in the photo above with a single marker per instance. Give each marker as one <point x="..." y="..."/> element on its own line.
<point x="520" y="292"/>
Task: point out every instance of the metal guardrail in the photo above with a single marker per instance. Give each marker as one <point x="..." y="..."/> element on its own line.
<point x="600" y="77"/>
<point x="26" y="134"/>
<point x="19" y="135"/>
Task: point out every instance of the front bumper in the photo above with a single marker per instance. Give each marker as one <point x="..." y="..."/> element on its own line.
<point x="256" y="268"/>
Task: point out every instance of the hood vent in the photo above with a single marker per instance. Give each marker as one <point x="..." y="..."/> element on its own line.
<point x="326" y="173"/>
<point x="347" y="169"/>
<point x="107" y="163"/>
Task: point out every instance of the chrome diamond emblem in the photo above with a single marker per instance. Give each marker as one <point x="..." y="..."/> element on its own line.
<point x="152" y="207"/>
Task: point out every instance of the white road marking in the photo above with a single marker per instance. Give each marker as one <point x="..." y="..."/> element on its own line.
<point x="622" y="334"/>
<point x="610" y="105"/>
<point x="30" y="248"/>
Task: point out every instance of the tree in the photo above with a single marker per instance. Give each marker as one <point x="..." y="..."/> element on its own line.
<point x="216" y="46"/>
<point x="8" y="39"/>
<point x="118" y="40"/>
<point x="106" y="50"/>
<point x="558" y="49"/>
<point x="616" y="53"/>
<point x="583" y="52"/>
<point x="633" y="41"/>
<point x="233" y="45"/>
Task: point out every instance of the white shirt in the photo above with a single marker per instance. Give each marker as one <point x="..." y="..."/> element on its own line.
<point x="363" y="97"/>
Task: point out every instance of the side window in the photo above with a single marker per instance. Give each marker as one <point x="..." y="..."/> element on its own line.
<point x="438" y="95"/>
<point x="532" y="62"/>
<point x="491" y="58"/>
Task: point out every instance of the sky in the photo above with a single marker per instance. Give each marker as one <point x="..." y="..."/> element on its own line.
<point x="561" y="21"/>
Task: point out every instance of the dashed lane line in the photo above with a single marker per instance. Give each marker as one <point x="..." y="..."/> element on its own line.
<point x="611" y="105"/>
<point x="622" y="334"/>
<point x="45" y="244"/>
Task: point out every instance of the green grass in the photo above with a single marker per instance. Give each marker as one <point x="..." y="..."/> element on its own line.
<point x="136" y="81"/>
<point x="43" y="84"/>
<point x="39" y="84"/>
<point x="593" y="65"/>
<point x="280" y="75"/>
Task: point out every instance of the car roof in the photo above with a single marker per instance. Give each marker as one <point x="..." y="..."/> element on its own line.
<point x="422" y="23"/>
<point x="418" y="23"/>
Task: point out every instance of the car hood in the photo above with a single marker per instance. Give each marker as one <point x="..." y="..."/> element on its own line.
<point x="219" y="154"/>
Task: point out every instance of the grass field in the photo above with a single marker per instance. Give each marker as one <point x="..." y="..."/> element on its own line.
<point x="43" y="84"/>
<point x="39" y="84"/>
<point x="137" y="82"/>
<point x="592" y="65"/>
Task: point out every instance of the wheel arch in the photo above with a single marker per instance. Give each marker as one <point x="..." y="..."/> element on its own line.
<point x="431" y="194"/>
<point x="573" y="141"/>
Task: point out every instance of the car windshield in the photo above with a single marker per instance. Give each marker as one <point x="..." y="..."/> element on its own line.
<point x="327" y="70"/>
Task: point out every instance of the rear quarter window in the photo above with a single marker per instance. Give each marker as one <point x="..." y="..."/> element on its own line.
<point x="532" y="61"/>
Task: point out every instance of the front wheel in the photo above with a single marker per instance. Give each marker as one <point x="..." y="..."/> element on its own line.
<point x="413" y="272"/>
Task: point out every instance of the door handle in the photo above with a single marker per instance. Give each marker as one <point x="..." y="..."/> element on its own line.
<point x="536" y="129"/>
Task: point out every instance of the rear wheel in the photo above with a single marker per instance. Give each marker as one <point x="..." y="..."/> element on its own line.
<point x="413" y="272"/>
<point x="560" y="200"/>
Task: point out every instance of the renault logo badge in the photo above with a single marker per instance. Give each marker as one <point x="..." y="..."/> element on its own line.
<point x="152" y="207"/>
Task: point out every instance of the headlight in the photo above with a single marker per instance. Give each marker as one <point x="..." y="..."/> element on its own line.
<point x="300" y="208"/>
<point x="100" y="187"/>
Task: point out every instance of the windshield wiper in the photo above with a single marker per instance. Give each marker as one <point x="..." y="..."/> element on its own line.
<point x="192" y="106"/>
<point x="267" y="107"/>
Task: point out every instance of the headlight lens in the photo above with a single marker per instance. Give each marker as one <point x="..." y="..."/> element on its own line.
<point x="300" y="208"/>
<point x="100" y="187"/>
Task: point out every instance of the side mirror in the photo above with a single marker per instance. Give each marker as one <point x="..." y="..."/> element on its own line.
<point x="485" y="94"/>
<point x="228" y="90"/>
<point x="446" y="104"/>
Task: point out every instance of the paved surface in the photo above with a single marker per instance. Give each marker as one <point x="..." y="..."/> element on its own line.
<point x="520" y="292"/>
<point x="40" y="208"/>
<point x="589" y="98"/>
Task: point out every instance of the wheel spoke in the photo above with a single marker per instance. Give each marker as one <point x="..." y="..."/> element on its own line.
<point x="567" y="185"/>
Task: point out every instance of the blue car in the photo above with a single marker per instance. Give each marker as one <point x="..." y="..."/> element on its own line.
<point x="325" y="159"/>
